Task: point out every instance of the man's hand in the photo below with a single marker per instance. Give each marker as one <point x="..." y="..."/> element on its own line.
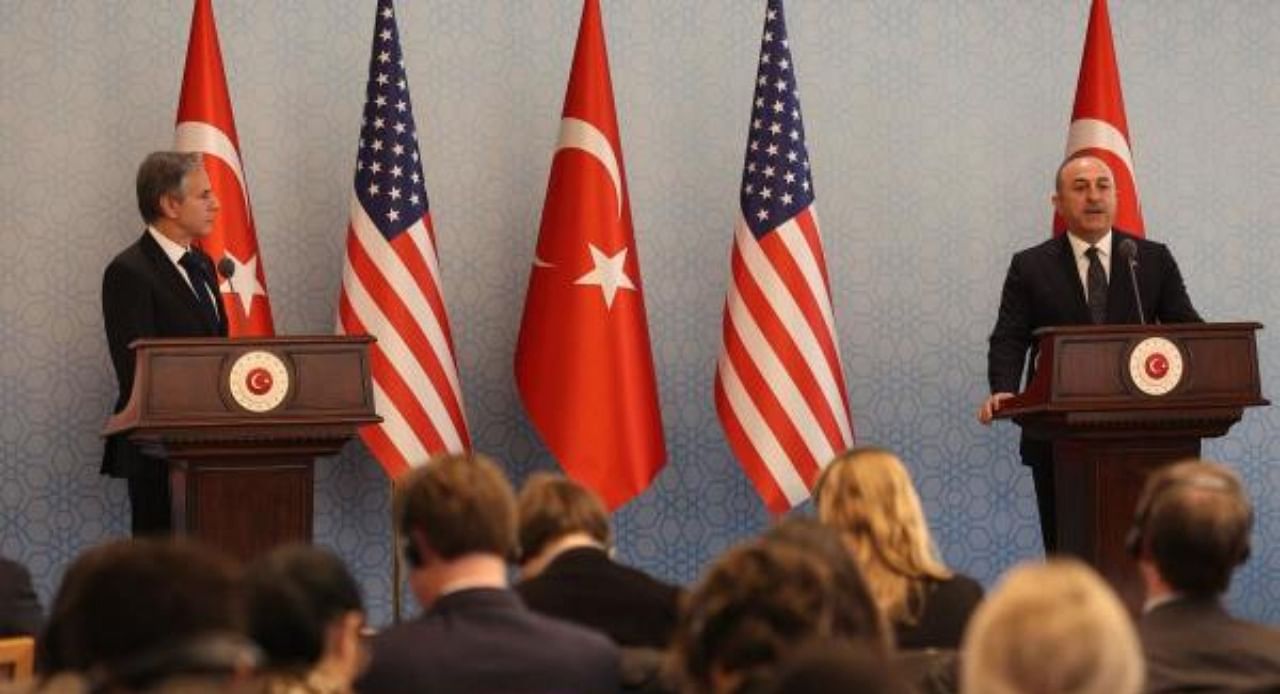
<point x="989" y="407"/>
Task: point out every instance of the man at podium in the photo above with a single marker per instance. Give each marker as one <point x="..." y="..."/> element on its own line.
<point x="161" y="286"/>
<point x="1085" y="276"/>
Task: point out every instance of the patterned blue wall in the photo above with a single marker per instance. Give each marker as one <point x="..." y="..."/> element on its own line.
<point x="933" y="128"/>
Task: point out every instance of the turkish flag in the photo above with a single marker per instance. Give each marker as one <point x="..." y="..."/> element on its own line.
<point x="207" y="125"/>
<point x="583" y="362"/>
<point x="1098" y="125"/>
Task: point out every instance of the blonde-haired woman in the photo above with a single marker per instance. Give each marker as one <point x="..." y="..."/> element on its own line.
<point x="1051" y="628"/>
<point x="867" y="494"/>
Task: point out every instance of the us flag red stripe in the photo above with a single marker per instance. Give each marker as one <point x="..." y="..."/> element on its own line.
<point x="391" y="277"/>
<point x="779" y="387"/>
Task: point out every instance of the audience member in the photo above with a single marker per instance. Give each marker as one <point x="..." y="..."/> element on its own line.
<point x="306" y="615"/>
<point x="1051" y="628"/>
<point x="755" y="605"/>
<point x="1190" y="532"/>
<point x="457" y="517"/>
<point x="567" y="572"/>
<point x="150" y="615"/>
<point x="20" y="613"/>
<point x="867" y="494"/>
<point x="856" y="616"/>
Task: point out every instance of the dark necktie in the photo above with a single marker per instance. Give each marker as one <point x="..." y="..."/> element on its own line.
<point x="1097" y="282"/>
<point x="200" y="284"/>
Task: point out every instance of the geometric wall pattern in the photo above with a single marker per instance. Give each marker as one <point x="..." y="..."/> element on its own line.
<point x="933" y="129"/>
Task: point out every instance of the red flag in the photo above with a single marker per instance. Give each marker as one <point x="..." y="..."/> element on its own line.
<point x="583" y="362"/>
<point x="207" y="125"/>
<point x="1098" y="124"/>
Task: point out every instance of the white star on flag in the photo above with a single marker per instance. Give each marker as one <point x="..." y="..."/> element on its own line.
<point x="607" y="274"/>
<point x="244" y="282"/>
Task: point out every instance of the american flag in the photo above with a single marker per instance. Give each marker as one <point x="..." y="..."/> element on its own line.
<point x="779" y="384"/>
<point x="391" y="278"/>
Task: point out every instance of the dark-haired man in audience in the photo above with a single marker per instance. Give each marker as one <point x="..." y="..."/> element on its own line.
<point x="1190" y="533"/>
<point x="567" y="572"/>
<point x="457" y="515"/>
<point x="19" y="607"/>
<point x="149" y="615"/>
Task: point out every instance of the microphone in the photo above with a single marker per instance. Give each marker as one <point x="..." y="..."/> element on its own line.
<point x="227" y="268"/>
<point x="1129" y="251"/>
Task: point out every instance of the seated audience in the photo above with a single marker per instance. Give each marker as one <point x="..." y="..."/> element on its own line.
<point x="867" y="494"/>
<point x="20" y="613"/>
<point x="568" y="574"/>
<point x="757" y="603"/>
<point x="306" y="615"/>
<point x="457" y="517"/>
<point x="1190" y="532"/>
<point x="1051" y="628"/>
<point x="150" y="615"/>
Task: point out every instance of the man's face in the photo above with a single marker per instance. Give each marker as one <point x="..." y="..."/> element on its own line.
<point x="195" y="212"/>
<point x="1086" y="197"/>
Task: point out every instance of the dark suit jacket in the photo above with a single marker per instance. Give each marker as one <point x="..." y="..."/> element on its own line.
<point x="144" y="295"/>
<point x="20" y="613"/>
<point x="944" y="615"/>
<point x="485" y="640"/>
<point x="1193" y="645"/>
<point x="1043" y="289"/>
<point x="585" y="587"/>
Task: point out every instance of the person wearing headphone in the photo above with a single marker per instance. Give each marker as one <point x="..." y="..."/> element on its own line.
<point x="457" y="515"/>
<point x="1190" y="533"/>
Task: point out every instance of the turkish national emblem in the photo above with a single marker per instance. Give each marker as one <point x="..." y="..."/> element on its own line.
<point x="207" y="125"/>
<point x="583" y="362"/>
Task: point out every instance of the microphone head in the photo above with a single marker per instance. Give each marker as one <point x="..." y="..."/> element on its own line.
<point x="1128" y="250"/>
<point x="227" y="267"/>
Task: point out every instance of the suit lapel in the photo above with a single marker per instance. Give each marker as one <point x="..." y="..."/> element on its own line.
<point x="1070" y="276"/>
<point x="166" y="270"/>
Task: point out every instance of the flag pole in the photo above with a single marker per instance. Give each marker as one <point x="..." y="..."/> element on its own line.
<point x="397" y="578"/>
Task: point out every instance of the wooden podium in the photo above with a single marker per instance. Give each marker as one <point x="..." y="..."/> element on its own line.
<point x="1118" y="401"/>
<point x="240" y="422"/>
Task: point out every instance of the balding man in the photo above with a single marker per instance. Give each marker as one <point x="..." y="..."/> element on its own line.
<point x="1067" y="280"/>
<point x="1190" y="533"/>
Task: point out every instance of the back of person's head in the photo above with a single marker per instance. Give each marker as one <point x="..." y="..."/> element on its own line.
<point x="457" y="505"/>
<point x="867" y="494"/>
<point x="856" y="615"/>
<point x="755" y="604"/>
<point x="133" y="612"/>
<point x="1193" y="521"/>
<point x="301" y="600"/>
<point x="820" y="667"/>
<point x="1051" y="628"/>
<point x="551" y="507"/>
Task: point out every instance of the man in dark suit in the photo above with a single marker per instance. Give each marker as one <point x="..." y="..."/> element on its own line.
<point x="161" y="286"/>
<point x="567" y="572"/>
<point x="457" y="516"/>
<point x="20" y="613"/>
<point x="1077" y="278"/>
<point x="1190" y="532"/>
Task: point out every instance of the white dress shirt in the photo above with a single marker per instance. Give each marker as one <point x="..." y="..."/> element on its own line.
<point x="174" y="251"/>
<point x="1078" y="248"/>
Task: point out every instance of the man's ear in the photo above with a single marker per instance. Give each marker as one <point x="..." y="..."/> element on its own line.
<point x="169" y="206"/>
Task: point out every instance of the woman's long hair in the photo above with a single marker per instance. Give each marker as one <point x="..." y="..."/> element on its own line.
<point x="867" y="494"/>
